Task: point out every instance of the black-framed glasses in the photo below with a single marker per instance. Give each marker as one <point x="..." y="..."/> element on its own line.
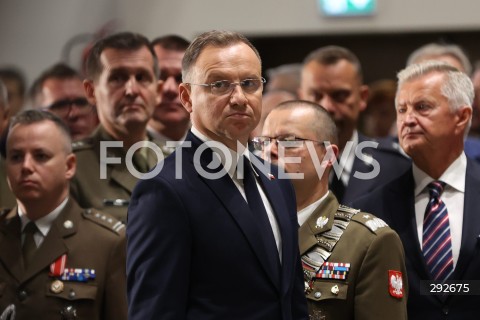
<point x="62" y="108"/>
<point x="287" y="141"/>
<point x="223" y="87"/>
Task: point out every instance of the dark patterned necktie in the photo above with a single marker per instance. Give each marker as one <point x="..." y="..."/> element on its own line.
<point x="437" y="240"/>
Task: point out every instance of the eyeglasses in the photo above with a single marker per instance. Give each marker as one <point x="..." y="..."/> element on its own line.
<point x="289" y="141"/>
<point x="62" y="108"/>
<point x="223" y="87"/>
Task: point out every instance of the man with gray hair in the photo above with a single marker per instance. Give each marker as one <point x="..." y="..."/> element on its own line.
<point x="448" y="53"/>
<point x="434" y="205"/>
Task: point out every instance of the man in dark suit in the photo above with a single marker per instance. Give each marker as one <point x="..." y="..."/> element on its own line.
<point x="354" y="265"/>
<point x="433" y="104"/>
<point x="332" y="77"/>
<point x="196" y="248"/>
<point x="57" y="261"/>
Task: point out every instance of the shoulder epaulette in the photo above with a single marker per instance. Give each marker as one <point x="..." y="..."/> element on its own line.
<point x="82" y="144"/>
<point x="104" y="219"/>
<point x="370" y="221"/>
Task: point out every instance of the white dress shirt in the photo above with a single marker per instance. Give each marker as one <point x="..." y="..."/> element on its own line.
<point x="453" y="196"/>
<point x="43" y="224"/>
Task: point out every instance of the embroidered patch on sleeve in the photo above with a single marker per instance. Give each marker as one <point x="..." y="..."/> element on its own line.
<point x="395" y="284"/>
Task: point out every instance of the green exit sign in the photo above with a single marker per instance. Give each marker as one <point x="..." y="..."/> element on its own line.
<point x="348" y="7"/>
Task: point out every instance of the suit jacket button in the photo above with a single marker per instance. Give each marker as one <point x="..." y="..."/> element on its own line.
<point x="317" y="294"/>
<point x="22" y="295"/>
<point x="445" y="310"/>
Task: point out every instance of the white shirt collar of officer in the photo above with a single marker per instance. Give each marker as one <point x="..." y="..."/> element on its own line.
<point x="44" y="223"/>
<point x="306" y="212"/>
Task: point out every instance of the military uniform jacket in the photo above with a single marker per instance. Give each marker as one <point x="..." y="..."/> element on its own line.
<point x="90" y="240"/>
<point x="111" y="195"/>
<point x="371" y="253"/>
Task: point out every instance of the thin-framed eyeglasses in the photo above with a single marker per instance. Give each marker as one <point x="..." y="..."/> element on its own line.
<point x="288" y="141"/>
<point x="62" y="108"/>
<point x="223" y="87"/>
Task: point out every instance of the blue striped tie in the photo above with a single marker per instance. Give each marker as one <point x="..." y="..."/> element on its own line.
<point x="437" y="241"/>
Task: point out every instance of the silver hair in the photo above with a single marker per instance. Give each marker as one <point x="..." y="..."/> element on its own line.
<point x="432" y="50"/>
<point x="457" y="87"/>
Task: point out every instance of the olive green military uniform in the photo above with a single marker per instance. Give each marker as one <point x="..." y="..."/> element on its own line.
<point x="93" y="243"/>
<point x="7" y="199"/>
<point x="354" y="265"/>
<point x="112" y="194"/>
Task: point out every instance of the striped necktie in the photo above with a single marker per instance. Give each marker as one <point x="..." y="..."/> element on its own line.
<point x="437" y="241"/>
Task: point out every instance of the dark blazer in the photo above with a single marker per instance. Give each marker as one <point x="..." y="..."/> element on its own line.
<point x="395" y="204"/>
<point x="194" y="250"/>
<point x="392" y="163"/>
<point x="89" y="239"/>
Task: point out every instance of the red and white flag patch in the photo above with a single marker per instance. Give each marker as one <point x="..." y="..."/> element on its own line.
<point x="395" y="284"/>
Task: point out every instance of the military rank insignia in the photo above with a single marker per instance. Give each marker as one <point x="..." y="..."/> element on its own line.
<point x="395" y="284"/>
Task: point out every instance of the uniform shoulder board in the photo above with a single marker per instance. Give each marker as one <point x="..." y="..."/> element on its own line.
<point x="82" y="144"/>
<point x="370" y="221"/>
<point x="104" y="219"/>
<point x="345" y="213"/>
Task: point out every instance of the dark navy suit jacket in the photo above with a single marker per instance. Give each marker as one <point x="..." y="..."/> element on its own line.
<point x="194" y="250"/>
<point x="395" y="204"/>
<point x="392" y="163"/>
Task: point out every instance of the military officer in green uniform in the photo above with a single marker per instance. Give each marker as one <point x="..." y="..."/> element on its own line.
<point x="57" y="261"/>
<point x="354" y="266"/>
<point x="7" y="199"/>
<point x="122" y="81"/>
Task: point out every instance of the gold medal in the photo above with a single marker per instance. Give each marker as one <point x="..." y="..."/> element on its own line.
<point x="57" y="286"/>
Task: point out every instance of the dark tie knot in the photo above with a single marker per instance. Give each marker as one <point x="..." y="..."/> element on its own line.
<point x="436" y="188"/>
<point x="30" y="228"/>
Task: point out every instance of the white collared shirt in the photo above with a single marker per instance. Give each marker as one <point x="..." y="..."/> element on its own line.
<point x="239" y="184"/>
<point x="453" y="196"/>
<point x="306" y="212"/>
<point x="43" y="224"/>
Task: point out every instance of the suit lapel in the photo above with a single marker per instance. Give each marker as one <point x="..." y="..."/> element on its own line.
<point x="10" y="244"/>
<point x="471" y="220"/>
<point x="54" y="245"/>
<point x="228" y="194"/>
<point x="403" y="221"/>
<point x="276" y="199"/>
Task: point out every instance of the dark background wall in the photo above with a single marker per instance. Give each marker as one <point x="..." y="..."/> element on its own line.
<point x="381" y="55"/>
